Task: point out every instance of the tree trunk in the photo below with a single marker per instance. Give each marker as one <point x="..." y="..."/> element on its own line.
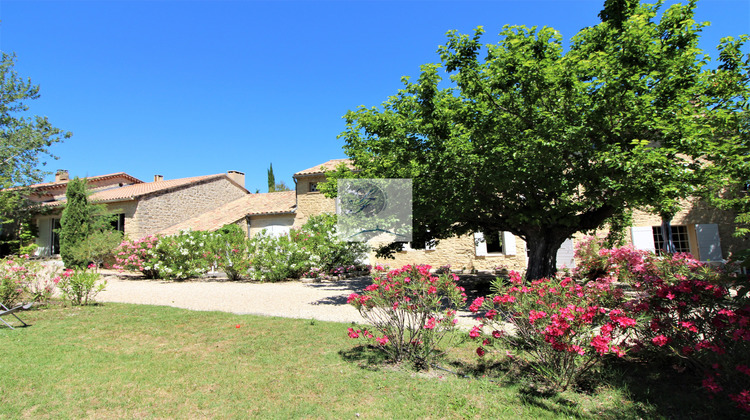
<point x="543" y="255"/>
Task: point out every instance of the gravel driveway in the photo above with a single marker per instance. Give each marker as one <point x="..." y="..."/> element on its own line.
<point x="324" y="301"/>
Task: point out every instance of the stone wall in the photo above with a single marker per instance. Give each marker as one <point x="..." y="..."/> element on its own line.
<point x="166" y="208"/>
<point x="459" y="253"/>
<point x="697" y="212"/>
<point x="311" y="203"/>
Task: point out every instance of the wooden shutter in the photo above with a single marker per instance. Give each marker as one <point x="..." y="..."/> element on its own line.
<point x="509" y="243"/>
<point x="643" y="238"/>
<point x="480" y="246"/>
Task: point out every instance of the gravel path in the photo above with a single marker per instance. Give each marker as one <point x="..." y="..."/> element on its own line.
<point x="324" y="301"/>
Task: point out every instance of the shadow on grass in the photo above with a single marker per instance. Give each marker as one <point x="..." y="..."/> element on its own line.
<point x="668" y="391"/>
<point x="366" y="357"/>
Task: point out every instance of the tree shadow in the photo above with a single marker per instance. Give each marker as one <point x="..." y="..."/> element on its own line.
<point x="365" y="356"/>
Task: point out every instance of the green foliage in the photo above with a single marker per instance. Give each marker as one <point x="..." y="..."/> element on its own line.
<point x="99" y="248"/>
<point x="274" y="186"/>
<point x="276" y="258"/>
<point x="271" y="179"/>
<point x="81" y="220"/>
<point x="81" y="286"/>
<point x="525" y="140"/>
<point x="182" y="255"/>
<point x="230" y="251"/>
<point x="24" y="138"/>
<point x="23" y="279"/>
<point x="318" y="235"/>
<point x="412" y="311"/>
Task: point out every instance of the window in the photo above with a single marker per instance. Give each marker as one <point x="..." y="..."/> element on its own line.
<point x="313" y="187"/>
<point x="118" y="223"/>
<point x="701" y="240"/>
<point x="494" y="243"/>
<point x="680" y="239"/>
<point x="55" y="236"/>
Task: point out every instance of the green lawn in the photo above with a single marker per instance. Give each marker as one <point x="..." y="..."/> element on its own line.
<point x="131" y="361"/>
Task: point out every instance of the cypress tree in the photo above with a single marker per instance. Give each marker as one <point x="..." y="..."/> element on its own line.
<point x="271" y="180"/>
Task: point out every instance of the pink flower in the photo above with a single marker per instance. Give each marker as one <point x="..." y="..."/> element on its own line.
<point x="475" y="332"/>
<point x="352" y="333"/>
<point x="476" y="305"/>
<point x="534" y="315"/>
<point x="382" y="340"/>
<point x="660" y="340"/>
<point x="430" y="324"/>
<point x="497" y="334"/>
<point x="601" y="344"/>
<point x="711" y="385"/>
<point x="480" y="351"/>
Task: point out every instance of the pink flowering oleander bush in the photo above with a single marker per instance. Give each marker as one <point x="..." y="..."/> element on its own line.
<point x="139" y="255"/>
<point x="80" y="286"/>
<point x="23" y="279"/>
<point x="12" y="277"/>
<point x="411" y="313"/>
<point x="692" y="314"/>
<point x="561" y="328"/>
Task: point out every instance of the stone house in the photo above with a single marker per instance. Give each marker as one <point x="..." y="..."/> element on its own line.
<point x="142" y="208"/>
<point x="211" y="201"/>
<point x="705" y="232"/>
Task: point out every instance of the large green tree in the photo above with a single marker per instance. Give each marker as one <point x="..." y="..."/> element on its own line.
<point x="23" y="140"/>
<point x="545" y="142"/>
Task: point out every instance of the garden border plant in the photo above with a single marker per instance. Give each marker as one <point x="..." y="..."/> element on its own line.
<point x="411" y="311"/>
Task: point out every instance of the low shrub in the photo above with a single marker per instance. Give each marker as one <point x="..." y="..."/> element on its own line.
<point x="182" y="255"/>
<point x="691" y="314"/>
<point x="81" y="286"/>
<point x="11" y="281"/>
<point x="411" y="313"/>
<point x="276" y="258"/>
<point x="23" y="279"/>
<point x="333" y="255"/>
<point x="229" y="251"/>
<point x="563" y="329"/>
<point x="139" y="255"/>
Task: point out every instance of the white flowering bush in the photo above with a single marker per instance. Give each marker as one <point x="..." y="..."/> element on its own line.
<point x="229" y="251"/>
<point x="276" y="258"/>
<point x="182" y="255"/>
<point x="333" y="255"/>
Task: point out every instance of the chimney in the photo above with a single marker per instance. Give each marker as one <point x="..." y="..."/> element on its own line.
<point x="158" y="178"/>
<point x="61" y="175"/>
<point x="238" y="177"/>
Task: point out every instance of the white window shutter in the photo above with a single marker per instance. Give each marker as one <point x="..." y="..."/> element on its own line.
<point x="566" y="254"/>
<point x="709" y="244"/>
<point x="509" y="243"/>
<point x="643" y="238"/>
<point x="480" y="246"/>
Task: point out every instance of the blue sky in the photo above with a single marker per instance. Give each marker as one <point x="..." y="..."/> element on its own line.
<point x="187" y="88"/>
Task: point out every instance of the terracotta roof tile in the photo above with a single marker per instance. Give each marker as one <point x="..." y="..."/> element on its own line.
<point x="63" y="184"/>
<point x="253" y="204"/>
<point x="133" y="191"/>
<point x="327" y="166"/>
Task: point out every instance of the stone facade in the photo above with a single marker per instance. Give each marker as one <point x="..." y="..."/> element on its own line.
<point x="462" y="252"/>
<point x="311" y="202"/>
<point x="161" y="210"/>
